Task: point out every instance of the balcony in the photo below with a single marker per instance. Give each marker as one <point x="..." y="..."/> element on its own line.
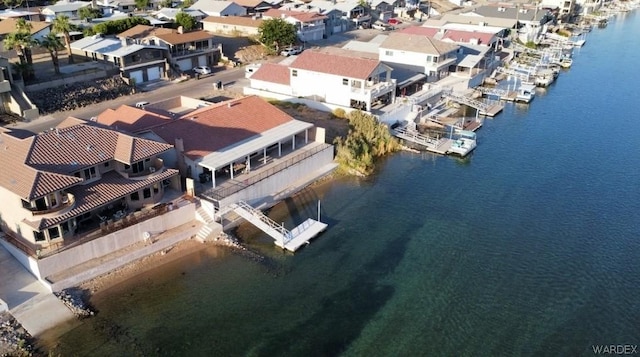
<point x="68" y="201"/>
<point x="191" y="50"/>
<point x="156" y="167"/>
<point x="371" y="91"/>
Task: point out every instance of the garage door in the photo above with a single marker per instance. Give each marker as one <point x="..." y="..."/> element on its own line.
<point x="202" y="60"/>
<point x="185" y="64"/>
<point x="153" y="73"/>
<point x="137" y="76"/>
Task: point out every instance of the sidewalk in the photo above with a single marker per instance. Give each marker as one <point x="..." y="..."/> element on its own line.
<point x="29" y="301"/>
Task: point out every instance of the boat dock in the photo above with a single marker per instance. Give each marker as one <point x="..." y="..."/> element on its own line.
<point x="285" y="239"/>
<point x="488" y="109"/>
<point x="439" y="146"/>
<point x="503" y="94"/>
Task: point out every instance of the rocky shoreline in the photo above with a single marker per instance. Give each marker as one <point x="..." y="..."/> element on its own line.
<point x="76" y="300"/>
<point x="14" y="339"/>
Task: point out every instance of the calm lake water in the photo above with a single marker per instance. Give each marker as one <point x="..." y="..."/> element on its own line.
<point x="529" y="247"/>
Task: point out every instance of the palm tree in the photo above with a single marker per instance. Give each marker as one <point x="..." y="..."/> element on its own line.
<point x="52" y="43"/>
<point x="21" y="41"/>
<point x="62" y="25"/>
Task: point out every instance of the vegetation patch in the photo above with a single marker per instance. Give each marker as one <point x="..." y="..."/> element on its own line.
<point x="367" y="140"/>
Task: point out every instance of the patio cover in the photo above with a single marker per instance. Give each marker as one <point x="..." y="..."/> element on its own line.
<point x="231" y="153"/>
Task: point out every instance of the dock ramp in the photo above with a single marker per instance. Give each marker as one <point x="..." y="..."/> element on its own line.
<point x="285" y="239"/>
<point x="488" y="109"/>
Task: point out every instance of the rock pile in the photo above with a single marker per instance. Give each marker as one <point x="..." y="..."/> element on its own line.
<point x="78" y="95"/>
<point x="75" y="299"/>
<point x="14" y="339"/>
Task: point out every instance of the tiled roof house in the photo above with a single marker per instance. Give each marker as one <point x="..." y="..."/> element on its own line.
<point x="57" y="184"/>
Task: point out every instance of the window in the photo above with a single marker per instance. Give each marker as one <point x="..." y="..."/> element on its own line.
<point x="156" y="188"/>
<point x="388" y="53"/>
<point x="345" y="82"/>
<point x="294" y="72"/>
<point x="356" y="84"/>
<point x="138" y="167"/>
<point x="26" y="204"/>
<point x="135" y="196"/>
<point x="38" y="236"/>
<point x="106" y="164"/>
<point x="54" y="232"/>
<point x="90" y="173"/>
<point x="146" y="193"/>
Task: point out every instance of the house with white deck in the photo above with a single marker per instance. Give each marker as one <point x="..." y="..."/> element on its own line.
<point x="334" y="79"/>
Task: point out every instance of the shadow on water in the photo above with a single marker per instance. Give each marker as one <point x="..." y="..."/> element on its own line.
<point x="342" y="316"/>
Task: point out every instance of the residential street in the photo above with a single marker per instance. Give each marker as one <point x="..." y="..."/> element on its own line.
<point x="232" y="79"/>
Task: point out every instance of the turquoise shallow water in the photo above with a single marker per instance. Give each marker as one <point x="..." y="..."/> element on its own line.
<point x="530" y="247"/>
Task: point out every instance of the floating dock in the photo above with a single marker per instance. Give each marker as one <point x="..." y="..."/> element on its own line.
<point x="285" y="239"/>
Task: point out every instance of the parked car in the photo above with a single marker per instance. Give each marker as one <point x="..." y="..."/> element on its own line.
<point x="381" y="26"/>
<point x="291" y="50"/>
<point x="394" y="22"/>
<point x="202" y="70"/>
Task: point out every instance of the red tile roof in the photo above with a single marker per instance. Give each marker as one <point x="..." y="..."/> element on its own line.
<point x="339" y="65"/>
<point x="274" y="73"/>
<point x="109" y="188"/>
<point x="44" y="163"/>
<point x="453" y="35"/>
<point x="483" y="38"/>
<point x="130" y="119"/>
<point x="212" y="128"/>
<point x="298" y="15"/>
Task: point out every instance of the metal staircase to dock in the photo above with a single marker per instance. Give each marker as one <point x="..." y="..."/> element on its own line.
<point x="489" y="109"/>
<point x="289" y="240"/>
<point x="439" y="146"/>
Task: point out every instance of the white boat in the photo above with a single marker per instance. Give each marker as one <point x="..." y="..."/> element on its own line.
<point x="544" y="78"/>
<point x="579" y="43"/>
<point x="564" y="62"/>
<point x="464" y="144"/>
<point x="525" y="93"/>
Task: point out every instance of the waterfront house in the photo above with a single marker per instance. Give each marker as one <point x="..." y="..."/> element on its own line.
<point x="240" y="149"/>
<point x="530" y="20"/>
<point x="334" y="79"/>
<point x="309" y="25"/>
<point x="63" y="183"/>
<point x="219" y="8"/>
<point x="139" y="62"/>
<point x="232" y="25"/>
<point x="419" y="53"/>
<point x="64" y="7"/>
<point x="353" y="13"/>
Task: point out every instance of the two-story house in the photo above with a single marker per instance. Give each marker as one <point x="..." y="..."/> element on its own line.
<point x="334" y="21"/>
<point x="64" y="7"/>
<point x="188" y="49"/>
<point x="309" y="25"/>
<point x="254" y="6"/>
<point x="336" y="79"/>
<point x="382" y="10"/>
<point x="219" y="8"/>
<point x="63" y="183"/>
<point x="420" y="53"/>
<point x="139" y="62"/>
<point x="354" y="12"/>
<point x="530" y="20"/>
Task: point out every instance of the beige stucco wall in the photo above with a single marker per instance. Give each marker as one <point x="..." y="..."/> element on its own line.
<point x="114" y="241"/>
